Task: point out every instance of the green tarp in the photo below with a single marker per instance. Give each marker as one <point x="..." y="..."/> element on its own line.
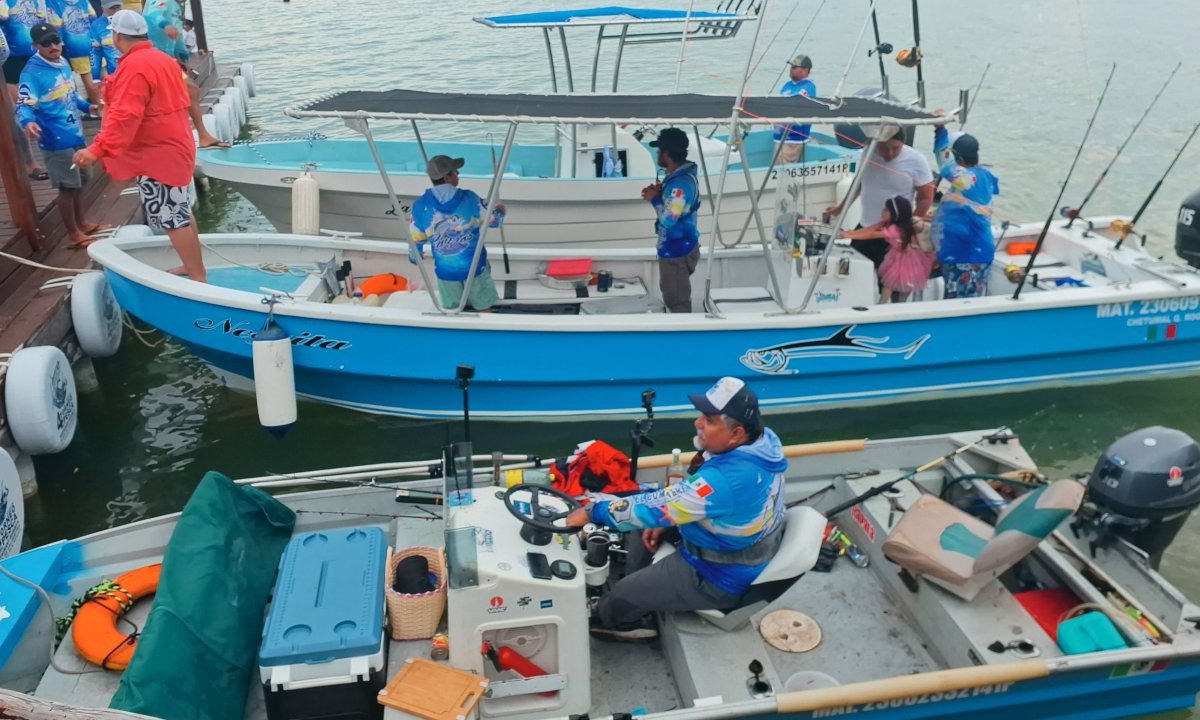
<point x="198" y="652"/>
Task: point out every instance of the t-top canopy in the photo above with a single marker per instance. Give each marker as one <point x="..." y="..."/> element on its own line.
<point x="685" y="109"/>
<point x="609" y="15"/>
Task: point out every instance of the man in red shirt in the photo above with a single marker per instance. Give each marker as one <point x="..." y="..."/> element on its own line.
<point x="147" y="134"/>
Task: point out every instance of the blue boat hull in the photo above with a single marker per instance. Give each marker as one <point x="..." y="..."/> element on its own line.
<point x="410" y="370"/>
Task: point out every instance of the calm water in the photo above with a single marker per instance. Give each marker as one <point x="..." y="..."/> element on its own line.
<point x="160" y="420"/>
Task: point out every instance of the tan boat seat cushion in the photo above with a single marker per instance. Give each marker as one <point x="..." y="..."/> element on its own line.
<point x="962" y="553"/>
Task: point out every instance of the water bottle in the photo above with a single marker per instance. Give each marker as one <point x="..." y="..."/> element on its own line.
<point x="497" y="218"/>
<point x="675" y="472"/>
<point x="357" y="298"/>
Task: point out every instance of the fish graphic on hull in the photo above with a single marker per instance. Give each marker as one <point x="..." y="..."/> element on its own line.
<point x="774" y="360"/>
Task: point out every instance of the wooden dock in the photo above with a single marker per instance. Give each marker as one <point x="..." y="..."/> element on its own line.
<point x="31" y="316"/>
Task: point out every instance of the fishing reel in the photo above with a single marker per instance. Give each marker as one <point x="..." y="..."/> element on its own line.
<point x="909" y="57"/>
<point x="1072" y="214"/>
<point x="1014" y="272"/>
<point x="1123" y="229"/>
<point x="882" y="48"/>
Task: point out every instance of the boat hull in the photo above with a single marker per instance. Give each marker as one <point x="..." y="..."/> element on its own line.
<point x="582" y="366"/>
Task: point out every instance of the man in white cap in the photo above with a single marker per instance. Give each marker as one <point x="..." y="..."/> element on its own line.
<point x="448" y="218"/>
<point x="146" y="134"/>
<point x="726" y="520"/>
<point x="795" y="136"/>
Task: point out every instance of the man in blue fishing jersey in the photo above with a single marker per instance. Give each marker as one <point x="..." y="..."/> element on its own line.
<point x="449" y="218"/>
<point x="726" y="521"/>
<point x="676" y="200"/>
<point x="794" y="137"/>
<point x="48" y="111"/>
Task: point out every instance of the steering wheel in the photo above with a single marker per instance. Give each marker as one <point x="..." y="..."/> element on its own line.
<point x="544" y="517"/>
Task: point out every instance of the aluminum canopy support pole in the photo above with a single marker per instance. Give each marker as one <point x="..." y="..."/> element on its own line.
<point x="493" y="193"/>
<point x="762" y="232"/>
<point x="733" y="132"/>
<point x="420" y="143"/>
<point x="761" y="190"/>
<point x="707" y="183"/>
<point x="596" y="57"/>
<point x="683" y="37"/>
<point x="562" y="36"/>
<point x="550" y="56"/>
<point x="360" y="124"/>
<point x="620" y="53"/>
<point x="837" y="93"/>
<point x="837" y="227"/>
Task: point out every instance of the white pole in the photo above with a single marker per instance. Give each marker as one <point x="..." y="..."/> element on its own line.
<point x="687" y="21"/>
<point x="853" y="53"/>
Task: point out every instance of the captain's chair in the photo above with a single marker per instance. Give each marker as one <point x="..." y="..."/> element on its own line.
<point x="963" y="554"/>
<point x="803" y="531"/>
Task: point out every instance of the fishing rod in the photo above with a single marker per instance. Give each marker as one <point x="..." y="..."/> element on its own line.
<point x="837" y="93"/>
<point x="1037" y="248"/>
<point x="798" y="43"/>
<point x="1073" y="213"/>
<point x="884" y="487"/>
<point x="974" y="96"/>
<point x="1125" y="229"/>
<point x="881" y="48"/>
<point x="916" y="51"/>
<point x="503" y="239"/>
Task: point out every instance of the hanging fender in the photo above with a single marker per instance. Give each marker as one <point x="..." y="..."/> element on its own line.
<point x="505" y="658"/>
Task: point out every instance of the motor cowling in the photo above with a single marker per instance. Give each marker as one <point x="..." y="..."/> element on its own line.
<point x="1144" y="488"/>
<point x="1187" y="230"/>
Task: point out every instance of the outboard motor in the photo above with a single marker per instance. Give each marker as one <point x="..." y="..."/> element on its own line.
<point x="1143" y="489"/>
<point x="1187" y="230"/>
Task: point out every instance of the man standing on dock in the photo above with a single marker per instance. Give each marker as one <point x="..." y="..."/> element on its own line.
<point x="49" y="110"/>
<point x="146" y="133"/>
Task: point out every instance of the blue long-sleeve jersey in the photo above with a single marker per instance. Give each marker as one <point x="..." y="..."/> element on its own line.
<point x="47" y="96"/>
<point x="962" y="225"/>
<point x="676" y="208"/>
<point x="449" y="218"/>
<point x="732" y="502"/>
<point x="74" y="21"/>
<point x="795" y="133"/>
<point x="104" y="53"/>
<point x="17" y="17"/>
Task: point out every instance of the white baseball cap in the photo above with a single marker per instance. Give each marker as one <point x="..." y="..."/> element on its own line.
<point x="129" y="22"/>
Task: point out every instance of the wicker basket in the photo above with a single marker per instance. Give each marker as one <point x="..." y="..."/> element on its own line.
<point x="415" y="617"/>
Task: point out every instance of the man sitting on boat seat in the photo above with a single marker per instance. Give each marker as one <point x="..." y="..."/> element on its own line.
<point x="676" y="200"/>
<point x="726" y="519"/>
<point x="449" y="218"/>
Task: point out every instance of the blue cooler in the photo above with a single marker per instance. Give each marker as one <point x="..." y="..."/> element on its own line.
<point x="322" y="652"/>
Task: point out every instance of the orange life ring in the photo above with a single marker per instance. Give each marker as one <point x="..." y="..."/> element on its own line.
<point x="380" y="284"/>
<point x="95" y="631"/>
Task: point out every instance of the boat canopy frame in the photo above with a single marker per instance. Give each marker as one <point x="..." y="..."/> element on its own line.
<point x="356" y="108"/>
<point x="721" y="24"/>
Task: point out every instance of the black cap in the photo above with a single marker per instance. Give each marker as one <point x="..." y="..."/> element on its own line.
<point x="41" y="31"/>
<point x="673" y="140"/>
<point x="732" y="398"/>
<point x="966" y="147"/>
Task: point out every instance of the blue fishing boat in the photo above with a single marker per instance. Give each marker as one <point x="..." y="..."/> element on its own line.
<point x="1070" y="623"/>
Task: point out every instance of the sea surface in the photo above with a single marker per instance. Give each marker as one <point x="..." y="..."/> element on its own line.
<point x="159" y="419"/>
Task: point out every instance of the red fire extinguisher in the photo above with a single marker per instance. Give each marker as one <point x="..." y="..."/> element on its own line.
<point x="505" y="658"/>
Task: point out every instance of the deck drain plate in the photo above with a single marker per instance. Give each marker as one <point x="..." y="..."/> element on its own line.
<point x="790" y="631"/>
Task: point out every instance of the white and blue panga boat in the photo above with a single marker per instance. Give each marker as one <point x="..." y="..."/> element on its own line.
<point x="796" y="322"/>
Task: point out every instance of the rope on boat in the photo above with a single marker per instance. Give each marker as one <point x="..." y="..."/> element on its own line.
<point x="40" y="266"/>
<point x="54" y="622"/>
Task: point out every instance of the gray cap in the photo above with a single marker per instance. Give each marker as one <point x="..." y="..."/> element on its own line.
<point x="439" y="166"/>
<point x="802" y="61"/>
<point x="106" y="4"/>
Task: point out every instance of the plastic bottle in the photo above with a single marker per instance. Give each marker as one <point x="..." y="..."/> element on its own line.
<point x="497" y="218"/>
<point x="675" y="472"/>
<point x="356" y="299"/>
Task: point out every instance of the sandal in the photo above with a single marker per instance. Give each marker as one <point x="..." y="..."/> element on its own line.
<point x="39" y="174"/>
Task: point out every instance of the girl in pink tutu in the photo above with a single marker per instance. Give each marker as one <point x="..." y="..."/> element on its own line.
<point x="910" y="257"/>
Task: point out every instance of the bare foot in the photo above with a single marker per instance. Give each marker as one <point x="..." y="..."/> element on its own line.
<point x="91" y="228"/>
<point x="178" y="271"/>
<point x="208" y="141"/>
<point x="80" y="240"/>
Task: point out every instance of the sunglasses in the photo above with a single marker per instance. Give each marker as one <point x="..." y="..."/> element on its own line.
<point x="50" y="41"/>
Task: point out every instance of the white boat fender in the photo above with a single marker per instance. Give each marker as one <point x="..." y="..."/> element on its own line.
<point x="12" y="507"/>
<point x="239" y="82"/>
<point x="127" y="232"/>
<point x="39" y="397"/>
<point x="274" y="378"/>
<point x="223" y="116"/>
<point x="247" y="71"/>
<point x="95" y="315"/>
<point x="306" y="205"/>
<point x="233" y="96"/>
<point x="210" y="124"/>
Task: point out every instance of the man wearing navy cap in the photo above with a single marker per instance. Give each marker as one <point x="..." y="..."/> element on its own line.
<point x="726" y="521"/>
<point x="676" y="200"/>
